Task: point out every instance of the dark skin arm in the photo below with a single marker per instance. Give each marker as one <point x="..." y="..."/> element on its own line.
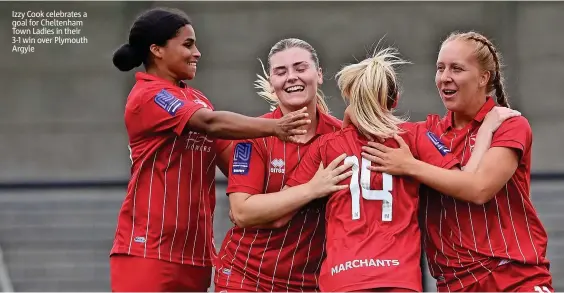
<point x="229" y="125"/>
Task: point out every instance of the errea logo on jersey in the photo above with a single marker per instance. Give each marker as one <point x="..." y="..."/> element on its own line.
<point x="277" y="166"/>
<point x="362" y="263"/>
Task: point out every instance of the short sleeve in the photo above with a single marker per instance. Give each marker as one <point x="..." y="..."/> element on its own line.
<point x="308" y="165"/>
<point x="432" y="150"/>
<point x="247" y="167"/>
<point x="167" y="109"/>
<point x="514" y="133"/>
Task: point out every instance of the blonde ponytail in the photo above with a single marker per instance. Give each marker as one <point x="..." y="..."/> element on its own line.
<point x="370" y="86"/>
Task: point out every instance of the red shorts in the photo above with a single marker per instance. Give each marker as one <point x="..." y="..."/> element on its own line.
<point x="137" y="274"/>
<point x="512" y="277"/>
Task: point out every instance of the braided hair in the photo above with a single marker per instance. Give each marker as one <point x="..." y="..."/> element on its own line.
<point x="490" y="59"/>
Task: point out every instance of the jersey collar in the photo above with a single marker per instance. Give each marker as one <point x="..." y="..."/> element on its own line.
<point x="144" y="76"/>
<point x="486" y="108"/>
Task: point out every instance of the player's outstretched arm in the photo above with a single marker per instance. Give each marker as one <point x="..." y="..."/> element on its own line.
<point x="485" y="175"/>
<point x="259" y="209"/>
<point x="229" y="125"/>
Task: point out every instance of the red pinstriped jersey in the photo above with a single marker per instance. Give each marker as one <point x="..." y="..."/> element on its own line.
<point x="168" y="209"/>
<point x="465" y="241"/>
<point x="284" y="259"/>
<point x="373" y="238"/>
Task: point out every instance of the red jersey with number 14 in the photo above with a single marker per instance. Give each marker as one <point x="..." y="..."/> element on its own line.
<point x="167" y="212"/>
<point x="373" y="238"/>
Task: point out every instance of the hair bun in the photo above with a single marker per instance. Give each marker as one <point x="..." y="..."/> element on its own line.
<point x="126" y="58"/>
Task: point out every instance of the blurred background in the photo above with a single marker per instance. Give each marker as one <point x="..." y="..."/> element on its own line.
<point x="63" y="147"/>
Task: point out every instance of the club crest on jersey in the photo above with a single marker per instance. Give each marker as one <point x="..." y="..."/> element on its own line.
<point x="438" y="143"/>
<point x="242" y="158"/>
<point x="168" y="102"/>
<point x="472" y="141"/>
<point x="277" y="166"/>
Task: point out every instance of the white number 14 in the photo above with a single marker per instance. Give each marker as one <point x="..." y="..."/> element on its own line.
<point x="385" y="194"/>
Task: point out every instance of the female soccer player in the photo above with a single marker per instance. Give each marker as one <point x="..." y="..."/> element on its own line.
<point x="258" y="254"/>
<point x="163" y="240"/>
<point x="485" y="236"/>
<point x="373" y="240"/>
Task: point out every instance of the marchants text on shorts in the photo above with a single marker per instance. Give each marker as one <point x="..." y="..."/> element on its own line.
<point x="31" y="29"/>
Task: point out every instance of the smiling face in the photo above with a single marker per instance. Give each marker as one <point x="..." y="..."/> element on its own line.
<point x="459" y="78"/>
<point x="294" y="77"/>
<point x="180" y="54"/>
